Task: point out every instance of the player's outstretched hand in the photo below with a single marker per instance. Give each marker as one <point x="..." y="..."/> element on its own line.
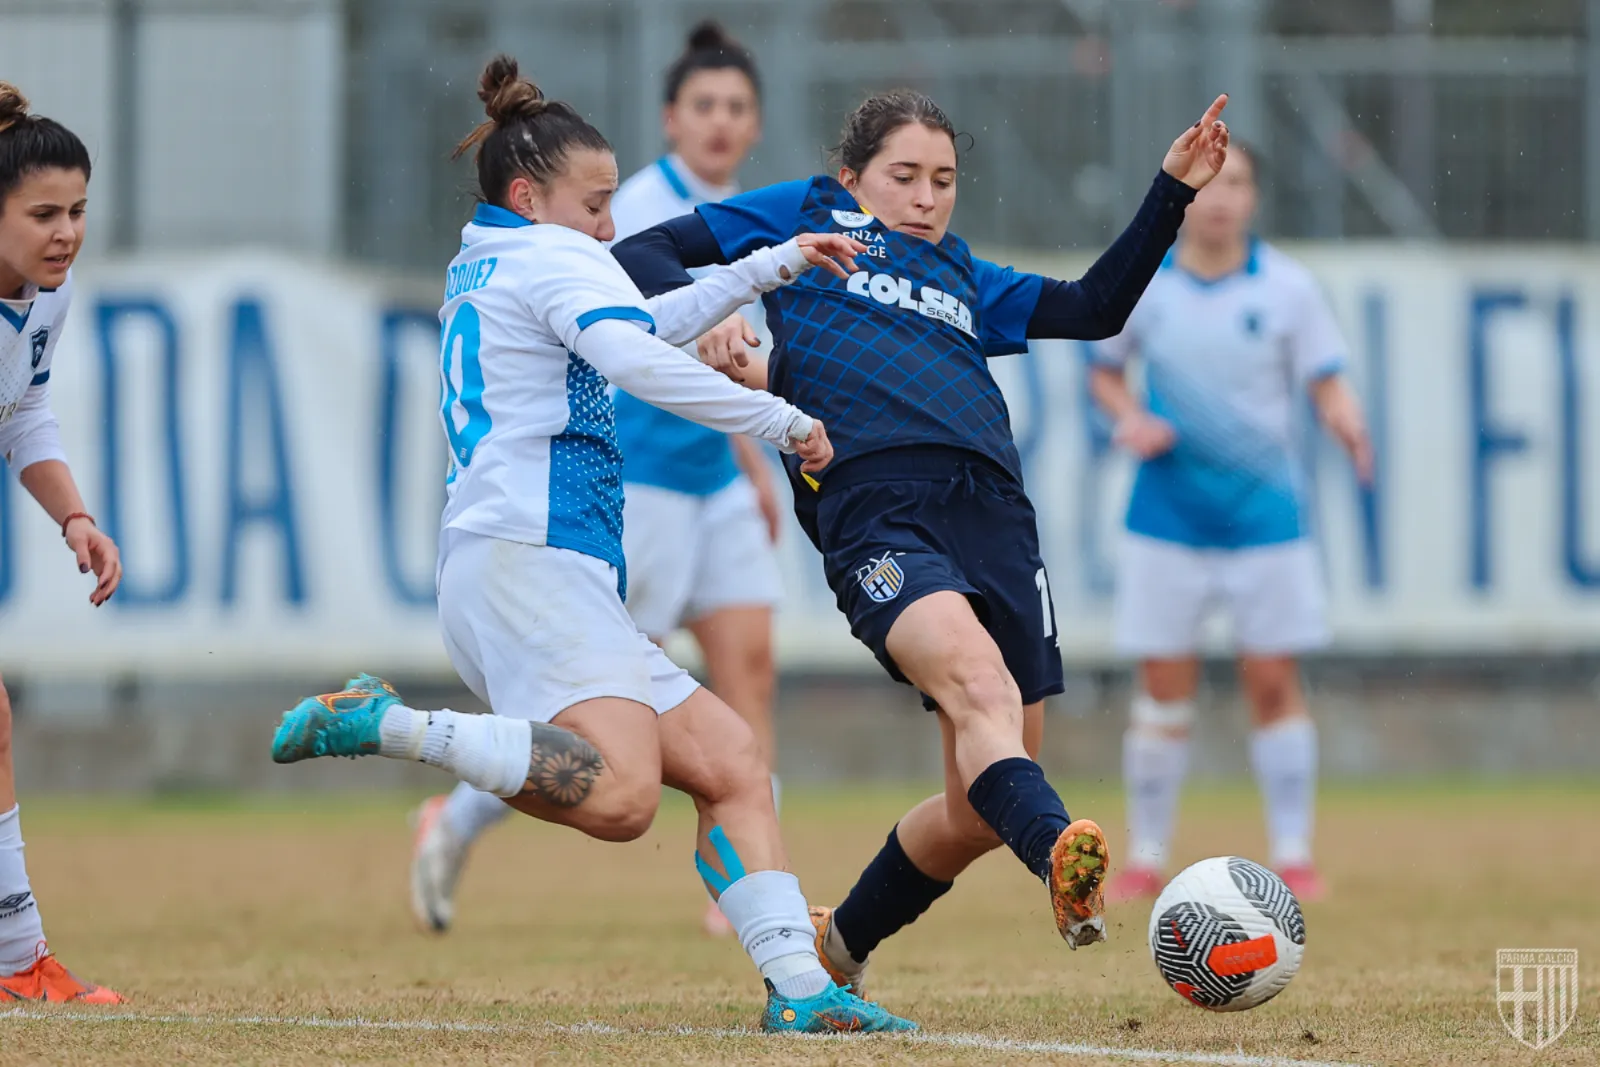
<point x="833" y="252"/>
<point x="1197" y="155"/>
<point x="816" y="450"/>
<point x="1145" y="435"/>
<point x="98" y="553"/>
<point x="727" y="345"/>
<point x="1344" y="420"/>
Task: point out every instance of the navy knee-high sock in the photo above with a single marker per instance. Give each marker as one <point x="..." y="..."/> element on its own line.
<point x="1012" y="796"/>
<point x="890" y="894"/>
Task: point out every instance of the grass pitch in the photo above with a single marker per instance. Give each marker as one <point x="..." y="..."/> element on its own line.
<point x="277" y="932"/>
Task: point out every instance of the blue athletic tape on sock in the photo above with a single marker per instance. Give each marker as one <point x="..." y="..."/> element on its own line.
<point x="731" y="863"/>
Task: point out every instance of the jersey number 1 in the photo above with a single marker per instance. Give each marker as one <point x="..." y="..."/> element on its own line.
<point x="465" y="420"/>
<point x="1042" y="580"/>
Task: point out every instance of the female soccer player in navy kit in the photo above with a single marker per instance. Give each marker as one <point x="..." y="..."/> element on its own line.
<point x="44" y="188"/>
<point x="928" y="539"/>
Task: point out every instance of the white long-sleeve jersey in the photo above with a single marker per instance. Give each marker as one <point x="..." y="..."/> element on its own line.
<point x="536" y="320"/>
<point x="29" y="330"/>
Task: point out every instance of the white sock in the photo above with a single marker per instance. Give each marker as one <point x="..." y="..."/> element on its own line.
<point x="20" y="928"/>
<point x="1153" y="767"/>
<point x="768" y="912"/>
<point x="1284" y="756"/>
<point x="469" y="812"/>
<point x="489" y="752"/>
<point x="777" y="795"/>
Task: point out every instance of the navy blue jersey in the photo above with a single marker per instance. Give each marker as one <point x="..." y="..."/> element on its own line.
<point x="897" y="355"/>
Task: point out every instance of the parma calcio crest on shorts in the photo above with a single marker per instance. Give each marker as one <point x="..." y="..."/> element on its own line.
<point x="882" y="579"/>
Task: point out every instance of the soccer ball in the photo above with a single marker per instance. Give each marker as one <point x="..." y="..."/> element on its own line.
<point x="1227" y="934"/>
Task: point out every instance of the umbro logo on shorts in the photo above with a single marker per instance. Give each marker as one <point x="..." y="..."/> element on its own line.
<point x="882" y="578"/>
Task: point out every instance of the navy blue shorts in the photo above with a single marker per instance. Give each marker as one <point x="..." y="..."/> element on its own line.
<point x="896" y="526"/>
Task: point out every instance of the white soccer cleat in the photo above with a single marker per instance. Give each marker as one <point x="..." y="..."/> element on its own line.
<point x="437" y="857"/>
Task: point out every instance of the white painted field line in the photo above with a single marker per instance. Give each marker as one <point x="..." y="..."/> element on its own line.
<point x="974" y="1041"/>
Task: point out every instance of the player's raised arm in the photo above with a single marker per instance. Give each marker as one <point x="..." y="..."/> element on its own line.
<point x="1097" y="305"/>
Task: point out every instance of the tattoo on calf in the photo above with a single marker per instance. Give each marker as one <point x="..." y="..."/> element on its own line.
<point x="562" y="767"/>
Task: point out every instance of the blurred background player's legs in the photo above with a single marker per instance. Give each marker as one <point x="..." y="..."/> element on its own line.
<point x="1274" y="596"/>
<point x="1278" y="602"/>
<point x="1163" y="592"/>
<point x="27" y="971"/>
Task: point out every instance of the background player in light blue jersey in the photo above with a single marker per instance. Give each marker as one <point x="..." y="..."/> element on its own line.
<point x="701" y="513"/>
<point x="44" y="195"/>
<point x="1231" y="333"/>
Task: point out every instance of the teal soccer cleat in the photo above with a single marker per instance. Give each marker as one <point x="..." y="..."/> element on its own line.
<point x="345" y="723"/>
<point x="832" y="1011"/>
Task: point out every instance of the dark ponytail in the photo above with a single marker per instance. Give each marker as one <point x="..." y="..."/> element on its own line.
<point x="879" y="116"/>
<point x="710" y="47"/>
<point x="526" y="135"/>
<point x="32" y="142"/>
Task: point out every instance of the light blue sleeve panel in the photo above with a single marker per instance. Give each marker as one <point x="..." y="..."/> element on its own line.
<point x="760" y="218"/>
<point x="1006" y="299"/>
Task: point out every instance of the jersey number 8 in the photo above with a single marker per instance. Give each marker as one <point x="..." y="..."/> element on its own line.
<point x="465" y="420"/>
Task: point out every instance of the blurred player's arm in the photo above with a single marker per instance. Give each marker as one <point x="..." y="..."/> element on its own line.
<point x="752" y="461"/>
<point x="1317" y="348"/>
<point x="1138" y="431"/>
<point x="1339" y="411"/>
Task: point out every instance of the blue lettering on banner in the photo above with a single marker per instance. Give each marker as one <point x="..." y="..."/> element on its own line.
<point x="1491" y="441"/>
<point x="1583" y="572"/>
<point x="251" y="370"/>
<point x="1375" y="317"/>
<point x="408" y="590"/>
<point x="136" y="590"/>
<point x="1099" y="576"/>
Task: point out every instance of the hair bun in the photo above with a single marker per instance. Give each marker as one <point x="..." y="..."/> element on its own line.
<point x="709" y="36"/>
<point x="506" y="95"/>
<point x="13" y="105"/>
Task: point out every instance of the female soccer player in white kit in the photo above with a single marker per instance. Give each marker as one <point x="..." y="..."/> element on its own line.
<point x="1231" y="331"/>
<point x="701" y="513"/>
<point x="44" y="187"/>
<point x="590" y="718"/>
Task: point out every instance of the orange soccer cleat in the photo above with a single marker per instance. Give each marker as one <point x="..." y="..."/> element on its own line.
<point x="48" y="980"/>
<point x="852" y="976"/>
<point x="1078" y="864"/>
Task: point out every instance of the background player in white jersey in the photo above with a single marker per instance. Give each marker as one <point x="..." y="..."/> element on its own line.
<point x="44" y="188"/>
<point x="701" y="514"/>
<point x="589" y="717"/>
<point x="1231" y="333"/>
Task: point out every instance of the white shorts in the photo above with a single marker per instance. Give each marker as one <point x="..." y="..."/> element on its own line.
<point x="689" y="556"/>
<point x="1273" y="596"/>
<point x="533" y="630"/>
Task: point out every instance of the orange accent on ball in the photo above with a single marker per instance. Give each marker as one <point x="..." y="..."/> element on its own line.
<point x="1242" y="957"/>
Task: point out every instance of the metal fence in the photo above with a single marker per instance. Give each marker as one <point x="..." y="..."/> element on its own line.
<point x="326" y="125"/>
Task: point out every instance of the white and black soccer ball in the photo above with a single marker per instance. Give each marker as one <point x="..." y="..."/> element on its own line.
<point x="1227" y="934"/>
